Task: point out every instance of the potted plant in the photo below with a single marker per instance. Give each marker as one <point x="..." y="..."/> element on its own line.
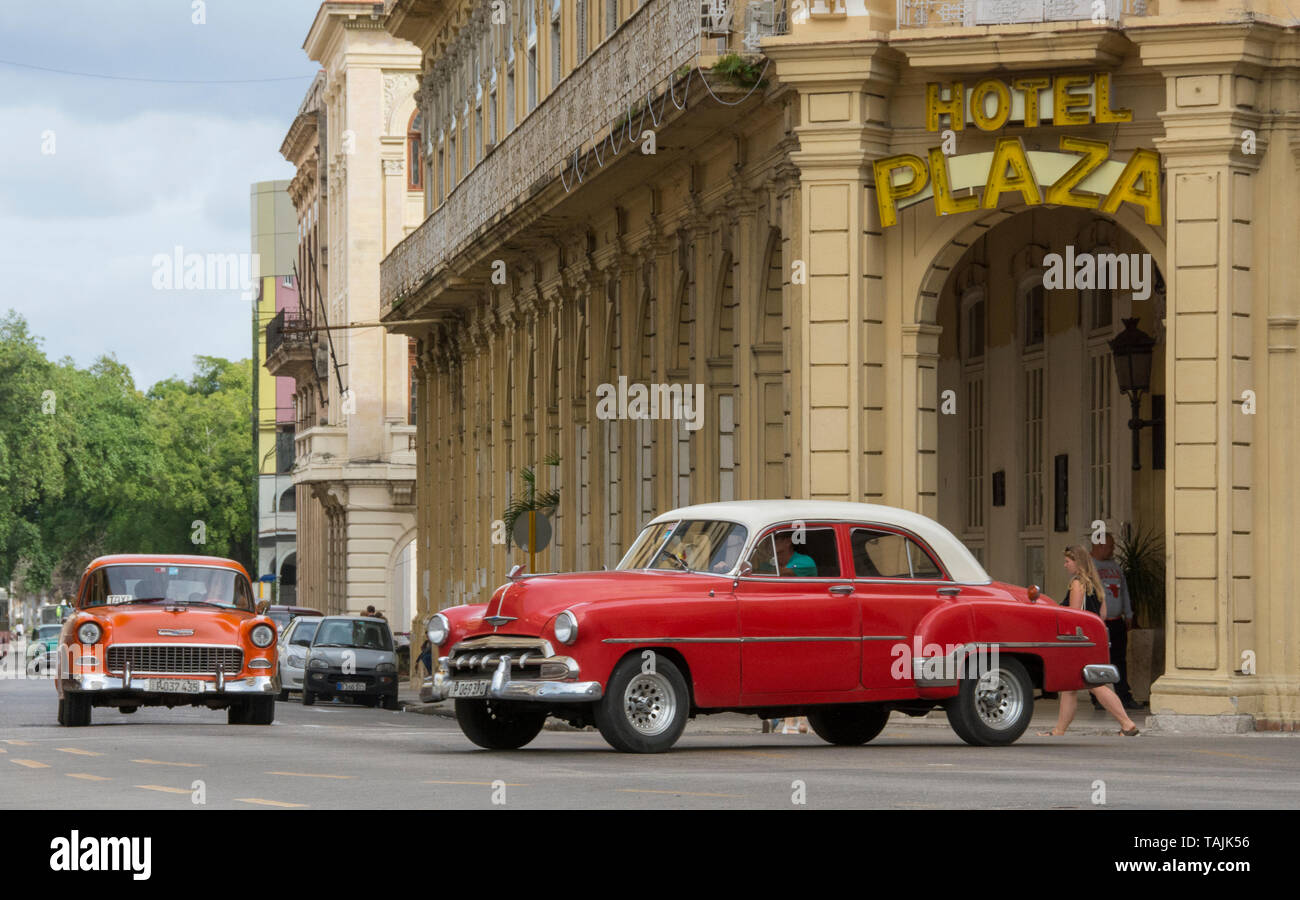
<point x="1141" y="555"/>
<point x="530" y="499"/>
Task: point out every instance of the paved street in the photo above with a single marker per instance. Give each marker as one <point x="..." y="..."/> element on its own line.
<point x="336" y="756"/>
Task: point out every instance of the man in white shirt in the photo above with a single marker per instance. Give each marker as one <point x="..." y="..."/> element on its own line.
<point x="1119" y="610"/>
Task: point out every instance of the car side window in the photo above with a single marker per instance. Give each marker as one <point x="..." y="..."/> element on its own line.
<point x="798" y="552"/>
<point x="95" y="590"/>
<point x="886" y="554"/>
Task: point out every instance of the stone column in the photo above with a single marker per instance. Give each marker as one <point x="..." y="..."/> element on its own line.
<point x="843" y="110"/>
<point x="1210" y="514"/>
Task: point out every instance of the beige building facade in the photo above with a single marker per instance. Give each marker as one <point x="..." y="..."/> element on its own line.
<point x="882" y="251"/>
<point x="354" y="446"/>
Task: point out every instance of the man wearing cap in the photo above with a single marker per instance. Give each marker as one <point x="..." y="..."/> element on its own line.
<point x="1120" y="606"/>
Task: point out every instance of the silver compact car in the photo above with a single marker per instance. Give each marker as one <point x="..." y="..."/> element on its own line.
<point x="352" y="656"/>
<point x="295" y="641"/>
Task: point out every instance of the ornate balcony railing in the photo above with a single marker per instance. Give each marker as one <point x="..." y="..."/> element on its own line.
<point x="658" y="39"/>
<point x="946" y="13"/>
<point x="287" y="327"/>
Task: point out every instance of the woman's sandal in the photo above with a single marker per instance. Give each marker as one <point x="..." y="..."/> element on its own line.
<point x="1132" y="732"/>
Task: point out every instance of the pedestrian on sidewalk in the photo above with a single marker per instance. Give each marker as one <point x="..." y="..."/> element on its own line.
<point x="425" y="658"/>
<point x="1086" y="592"/>
<point x="1119" y="618"/>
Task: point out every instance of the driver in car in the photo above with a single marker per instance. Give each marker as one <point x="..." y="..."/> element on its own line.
<point x="790" y="561"/>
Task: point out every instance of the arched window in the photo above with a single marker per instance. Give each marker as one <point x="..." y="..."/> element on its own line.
<point x="288" y="501"/>
<point x="414" y="154"/>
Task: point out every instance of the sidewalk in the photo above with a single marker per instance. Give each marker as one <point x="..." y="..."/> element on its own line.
<point x="1086" y="721"/>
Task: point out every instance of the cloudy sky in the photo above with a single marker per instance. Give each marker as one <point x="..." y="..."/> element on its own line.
<point x="138" y="168"/>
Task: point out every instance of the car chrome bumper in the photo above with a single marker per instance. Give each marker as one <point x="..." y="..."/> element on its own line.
<point x="502" y="687"/>
<point x="95" y="682"/>
<point x="1100" y="674"/>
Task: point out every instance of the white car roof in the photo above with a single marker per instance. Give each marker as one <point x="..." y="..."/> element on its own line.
<point x="756" y="515"/>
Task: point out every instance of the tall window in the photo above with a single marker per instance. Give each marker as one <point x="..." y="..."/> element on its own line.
<point x="557" y="46"/>
<point x="478" y="124"/>
<point x="1099" y="433"/>
<point x="611" y="16"/>
<point x="1032" y="507"/>
<point x="726" y="447"/>
<point x="414" y="156"/>
<point x="975" y="452"/>
<point x="1035" y="317"/>
<point x="492" y="112"/>
<point x="532" y="55"/>
<point x="580" y="14"/>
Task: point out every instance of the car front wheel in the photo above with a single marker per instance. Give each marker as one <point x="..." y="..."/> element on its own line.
<point x="499" y="726"/>
<point x="994" y="709"/>
<point x="645" y="706"/>
<point x="848" y="725"/>
<point x="74" y="710"/>
<point x="308" y="698"/>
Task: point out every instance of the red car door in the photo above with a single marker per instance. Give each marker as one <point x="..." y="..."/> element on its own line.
<point x="899" y="581"/>
<point x="799" y="620"/>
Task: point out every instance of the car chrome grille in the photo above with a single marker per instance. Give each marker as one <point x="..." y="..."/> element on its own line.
<point x="175" y="659"/>
<point x="476" y="659"/>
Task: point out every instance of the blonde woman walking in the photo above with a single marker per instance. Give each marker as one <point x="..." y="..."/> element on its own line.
<point x="1086" y="592"/>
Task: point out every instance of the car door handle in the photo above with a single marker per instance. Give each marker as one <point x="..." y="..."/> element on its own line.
<point x="949" y="591"/>
<point x="842" y="589"/>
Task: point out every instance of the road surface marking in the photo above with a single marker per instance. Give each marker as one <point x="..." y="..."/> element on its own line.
<point x="261" y="802"/>
<point x="480" y="783"/>
<point x="674" y="793"/>
<point x="759" y="753"/>
<point x="78" y="751"/>
<point x="310" y="775"/>
<point x="159" y="762"/>
<point x="86" y="776"/>
<point x="19" y="743"/>
<point x="30" y="763"/>
<point x="164" y="789"/>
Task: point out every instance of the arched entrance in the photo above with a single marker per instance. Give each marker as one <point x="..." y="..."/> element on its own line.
<point x="1031" y="441"/>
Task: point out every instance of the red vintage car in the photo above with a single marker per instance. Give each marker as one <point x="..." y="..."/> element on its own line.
<point x="842" y="612"/>
<point x="167" y="631"/>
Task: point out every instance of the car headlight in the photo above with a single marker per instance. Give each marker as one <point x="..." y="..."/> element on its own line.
<point x="261" y="635"/>
<point x="385" y="667"/>
<point x="89" y="633"/>
<point x="438" y="629"/>
<point x="297" y="660"/>
<point x="566" y="627"/>
<point x="318" y="663"/>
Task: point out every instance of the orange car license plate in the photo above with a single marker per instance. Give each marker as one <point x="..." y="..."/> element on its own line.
<point x="175" y="685"/>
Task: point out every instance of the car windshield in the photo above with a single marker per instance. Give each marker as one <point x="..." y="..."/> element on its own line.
<point x="689" y="545"/>
<point x="356" y="633"/>
<point x="303" y="634"/>
<point x="204" y="585"/>
<point x="48" y="631"/>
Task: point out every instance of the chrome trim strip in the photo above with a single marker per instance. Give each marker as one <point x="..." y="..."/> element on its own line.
<point x="97" y="682"/>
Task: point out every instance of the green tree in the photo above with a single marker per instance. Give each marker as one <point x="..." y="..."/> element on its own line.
<point x="31" y="471"/>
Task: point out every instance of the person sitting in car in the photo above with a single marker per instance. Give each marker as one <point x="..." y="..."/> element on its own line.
<point x="789" y="560"/>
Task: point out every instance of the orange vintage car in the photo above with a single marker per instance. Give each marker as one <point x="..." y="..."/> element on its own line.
<point x="167" y="631"/>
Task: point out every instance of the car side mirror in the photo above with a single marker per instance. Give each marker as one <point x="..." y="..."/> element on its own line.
<point x="746" y="570"/>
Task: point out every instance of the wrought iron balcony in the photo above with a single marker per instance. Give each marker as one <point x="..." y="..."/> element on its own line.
<point x="950" y="13"/>
<point x="657" y="40"/>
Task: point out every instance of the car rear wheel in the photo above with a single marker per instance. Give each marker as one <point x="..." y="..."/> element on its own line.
<point x="308" y="698"/>
<point x="645" y="706"/>
<point x="74" y="710"/>
<point x="994" y="709"/>
<point x="848" y="725"/>
<point x="499" y="725"/>
<point x="390" y="702"/>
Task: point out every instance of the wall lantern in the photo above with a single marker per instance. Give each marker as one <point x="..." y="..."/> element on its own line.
<point x="1131" y="351"/>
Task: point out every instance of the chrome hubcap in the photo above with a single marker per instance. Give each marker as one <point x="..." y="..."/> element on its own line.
<point x="999" y="700"/>
<point x="649" y="703"/>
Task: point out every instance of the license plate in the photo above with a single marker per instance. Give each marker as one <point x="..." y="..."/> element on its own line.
<point x="351" y="686"/>
<point x="175" y="685"/>
<point x="469" y="689"/>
